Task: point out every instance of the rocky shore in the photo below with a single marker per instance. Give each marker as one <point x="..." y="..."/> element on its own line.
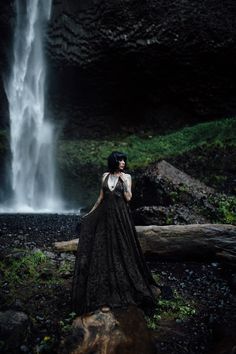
<point x="42" y="303"/>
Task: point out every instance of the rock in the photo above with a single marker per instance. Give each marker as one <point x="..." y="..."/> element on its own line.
<point x="50" y="255"/>
<point x="112" y="332"/>
<point x="166" y="50"/>
<point x="46" y="274"/>
<point x="225" y="342"/>
<point x="164" y="195"/>
<point x="151" y="215"/>
<point x="175" y="56"/>
<point x="175" y="214"/>
<point x="18" y="305"/>
<point x="215" y="165"/>
<point x="14" y="327"/>
<point x="163" y="184"/>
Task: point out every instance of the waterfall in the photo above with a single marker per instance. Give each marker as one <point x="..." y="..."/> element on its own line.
<point x="32" y="137"/>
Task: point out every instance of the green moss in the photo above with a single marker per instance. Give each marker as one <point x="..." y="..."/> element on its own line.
<point x="27" y="269"/>
<point x="156" y="277"/>
<point x="65" y="267"/>
<point x="177" y="308"/>
<point x="72" y="155"/>
<point x="182" y="188"/>
<point x="225" y="208"/>
<point x="66" y="323"/>
<point x="141" y="151"/>
<point x="218" y="179"/>
<point x="174" y="196"/>
<point x="45" y="345"/>
<point x="22" y="267"/>
<point x="169" y="220"/>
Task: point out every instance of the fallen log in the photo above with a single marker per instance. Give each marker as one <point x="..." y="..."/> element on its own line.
<point x="67" y="246"/>
<point x="185" y="242"/>
<point x="181" y="242"/>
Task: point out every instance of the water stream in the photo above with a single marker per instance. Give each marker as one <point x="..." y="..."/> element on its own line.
<point x="32" y="135"/>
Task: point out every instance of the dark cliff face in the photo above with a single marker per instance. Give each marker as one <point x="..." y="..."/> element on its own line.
<point x="129" y="64"/>
<point x="161" y="63"/>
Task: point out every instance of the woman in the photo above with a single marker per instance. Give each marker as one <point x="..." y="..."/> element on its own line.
<point x="110" y="270"/>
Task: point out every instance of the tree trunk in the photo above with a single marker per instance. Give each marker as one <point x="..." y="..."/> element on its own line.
<point x="181" y="242"/>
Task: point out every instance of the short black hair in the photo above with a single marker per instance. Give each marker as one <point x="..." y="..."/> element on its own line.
<point x="113" y="160"/>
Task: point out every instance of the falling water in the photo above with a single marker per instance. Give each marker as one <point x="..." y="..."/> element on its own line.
<point x="31" y="136"/>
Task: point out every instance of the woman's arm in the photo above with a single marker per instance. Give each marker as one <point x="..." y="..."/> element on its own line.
<point x="100" y="197"/>
<point x="126" y="178"/>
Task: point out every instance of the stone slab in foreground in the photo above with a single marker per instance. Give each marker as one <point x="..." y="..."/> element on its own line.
<point x="119" y="331"/>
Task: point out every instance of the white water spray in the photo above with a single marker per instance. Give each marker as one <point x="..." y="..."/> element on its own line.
<point x="31" y="136"/>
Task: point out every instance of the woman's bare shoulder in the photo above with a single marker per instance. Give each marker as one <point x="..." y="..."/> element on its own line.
<point x="104" y="175"/>
<point x="127" y="175"/>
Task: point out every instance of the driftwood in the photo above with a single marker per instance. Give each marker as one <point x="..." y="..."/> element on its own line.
<point x="181" y="242"/>
<point x="196" y="241"/>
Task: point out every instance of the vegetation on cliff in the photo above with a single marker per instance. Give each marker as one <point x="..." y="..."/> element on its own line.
<point x="81" y="162"/>
<point x="143" y="150"/>
<point x="193" y="149"/>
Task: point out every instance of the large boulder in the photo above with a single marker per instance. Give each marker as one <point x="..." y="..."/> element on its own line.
<point x="162" y="184"/>
<point x="163" y="194"/>
<point x="175" y="215"/>
<point x="113" y="332"/>
<point x="214" y="165"/>
<point x="14" y="327"/>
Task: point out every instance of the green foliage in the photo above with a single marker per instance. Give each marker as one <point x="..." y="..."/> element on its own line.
<point x="218" y="179"/>
<point x="174" y="196"/>
<point x="26" y="266"/>
<point x="45" y="345"/>
<point x="183" y="188"/>
<point x="66" y="323"/>
<point x="169" y="220"/>
<point x="156" y="277"/>
<point x="226" y="208"/>
<point x="143" y="150"/>
<point x="29" y="270"/>
<point x="65" y="267"/>
<point x="175" y="309"/>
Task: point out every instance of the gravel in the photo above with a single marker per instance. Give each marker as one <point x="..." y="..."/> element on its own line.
<point x="211" y="286"/>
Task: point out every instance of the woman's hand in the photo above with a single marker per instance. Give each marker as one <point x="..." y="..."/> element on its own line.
<point x="127" y="185"/>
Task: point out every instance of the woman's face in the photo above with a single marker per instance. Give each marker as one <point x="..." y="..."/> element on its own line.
<point x="121" y="165"/>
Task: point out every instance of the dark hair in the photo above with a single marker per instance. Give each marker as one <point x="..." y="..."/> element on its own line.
<point x="113" y="160"/>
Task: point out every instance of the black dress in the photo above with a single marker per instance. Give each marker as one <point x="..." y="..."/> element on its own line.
<point x="110" y="268"/>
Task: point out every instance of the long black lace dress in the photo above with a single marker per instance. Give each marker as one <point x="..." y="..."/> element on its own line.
<point x="110" y="268"/>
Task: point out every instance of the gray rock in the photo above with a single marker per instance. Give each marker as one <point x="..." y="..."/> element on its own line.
<point x="14" y="326"/>
<point x="24" y="349"/>
<point x="165" y="195"/>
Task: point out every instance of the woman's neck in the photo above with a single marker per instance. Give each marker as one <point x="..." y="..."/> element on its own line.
<point x="116" y="173"/>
